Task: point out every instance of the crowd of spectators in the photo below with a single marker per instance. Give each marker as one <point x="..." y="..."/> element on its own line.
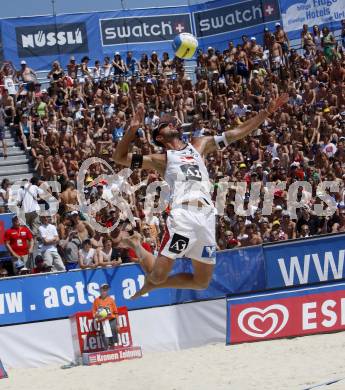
<point x="84" y="110"/>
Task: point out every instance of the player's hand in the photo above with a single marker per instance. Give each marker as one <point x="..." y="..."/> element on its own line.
<point x="275" y="104"/>
<point x="138" y="118"/>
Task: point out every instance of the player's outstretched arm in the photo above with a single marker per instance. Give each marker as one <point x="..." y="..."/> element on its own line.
<point x="207" y="145"/>
<point x="253" y="123"/>
<point x="121" y="154"/>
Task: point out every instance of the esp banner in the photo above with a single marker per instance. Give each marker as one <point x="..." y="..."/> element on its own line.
<point x="286" y="313"/>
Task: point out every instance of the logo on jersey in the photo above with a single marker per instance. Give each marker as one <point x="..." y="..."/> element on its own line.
<point x="209" y="251"/>
<point x="191" y="172"/>
<point x="187" y="159"/>
<point x="178" y="243"/>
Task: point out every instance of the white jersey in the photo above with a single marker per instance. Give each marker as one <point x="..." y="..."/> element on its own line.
<point x="187" y="176"/>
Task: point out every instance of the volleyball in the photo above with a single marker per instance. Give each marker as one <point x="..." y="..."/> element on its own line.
<point x="103" y="313"/>
<point x="184" y="45"/>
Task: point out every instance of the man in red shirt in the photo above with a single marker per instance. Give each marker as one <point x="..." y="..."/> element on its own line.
<point x="19" y="241"/>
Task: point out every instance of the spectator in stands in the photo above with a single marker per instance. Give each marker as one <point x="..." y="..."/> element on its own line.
<point x="49" y="239"/>
<point x="56" y="72"/>
<point x="27" y="75"/>
<point x="72" y="68"/>
<point x="83" y="228"/>
<point x="107" y="255"/>
<point x="131" y="64"/>
<point x="5" y="194"/>
<point x="328" y="43"/>
<point x="88" y="256"/>
<point x="40" y="266"/>
<point x="28" y="197"/>
<point x="19" y="242"/>
<point x="70" y="250"/>
<point x="3" y="117"/>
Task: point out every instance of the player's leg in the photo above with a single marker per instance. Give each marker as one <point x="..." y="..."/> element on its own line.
<point x="146" y="259"/>
<point x="198" y="280"/>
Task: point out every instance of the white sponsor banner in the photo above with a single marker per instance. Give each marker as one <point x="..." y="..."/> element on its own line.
<point x="312" y="12"/>
<point x="168" y="328"/>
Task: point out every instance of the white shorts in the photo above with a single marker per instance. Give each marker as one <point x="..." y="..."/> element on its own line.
<point x="190" y="232"/>
<point x="277" y="60"/>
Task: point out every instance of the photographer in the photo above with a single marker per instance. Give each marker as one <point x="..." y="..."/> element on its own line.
<point x="109" y="323"/>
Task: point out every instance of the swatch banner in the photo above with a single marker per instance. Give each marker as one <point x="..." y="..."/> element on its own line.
<point x="43" y="39"/>
<point x="287" y="313"/>
<point x="48" y="296"/>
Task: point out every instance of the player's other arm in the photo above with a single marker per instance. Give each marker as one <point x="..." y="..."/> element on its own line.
<point x="123" y="157"/>
<point x="207" y="145"/>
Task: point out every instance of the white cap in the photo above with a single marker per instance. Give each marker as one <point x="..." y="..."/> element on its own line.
<point x="253" y="39"/>
<point x="276" y="159"/>
<point x="23" y="62"/>
<point x="277" y="24"/>
<point x="278" y="208"/>
<point x="259" y="165"/>
<point x="255" y="71"/>
<point x="44" y="91"/>
<point x="295" y="164"/>
<point x="117" y="53"/>
<point x="210" y="48"/>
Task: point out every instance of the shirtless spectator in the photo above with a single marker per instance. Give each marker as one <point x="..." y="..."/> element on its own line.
<point x="83" y="228"/>
<point x="288" y="226"/>
<point x="282" y="38"/>
<point x="276" y="54"/>
<point x="255" y="51"/>
<point x="251" y="238"/>
<point x="72" y="68"/>
<point x="68" y="197"/>
<point x="27" y="74"/>
<point x="212" y="63"/>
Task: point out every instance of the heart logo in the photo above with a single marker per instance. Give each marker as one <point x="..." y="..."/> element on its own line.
<point x="250" y="319"/>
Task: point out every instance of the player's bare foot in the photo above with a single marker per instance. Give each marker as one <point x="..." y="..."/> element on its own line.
<point x="132" y="241"/>
<point x="147" y="287"/>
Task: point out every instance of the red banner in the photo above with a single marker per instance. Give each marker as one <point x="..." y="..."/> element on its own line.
<point x="286" y="315"/>
<point x="115" y="355"/>
<point x="86" y="331"/>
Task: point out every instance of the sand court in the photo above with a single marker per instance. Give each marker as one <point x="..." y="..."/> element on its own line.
<point x="286" y="364"/>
